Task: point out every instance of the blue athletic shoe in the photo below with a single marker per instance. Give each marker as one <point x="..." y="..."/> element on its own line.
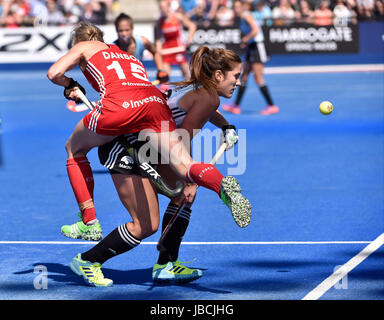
<point x="175" y="272"/>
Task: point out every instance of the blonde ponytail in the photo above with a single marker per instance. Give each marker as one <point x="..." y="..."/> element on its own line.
<point x="85" y="31"/>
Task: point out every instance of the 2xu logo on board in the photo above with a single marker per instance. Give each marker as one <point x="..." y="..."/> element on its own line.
<point x="20" y="41"/>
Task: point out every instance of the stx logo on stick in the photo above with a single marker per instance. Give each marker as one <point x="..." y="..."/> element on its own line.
<point x="145" y="166"/>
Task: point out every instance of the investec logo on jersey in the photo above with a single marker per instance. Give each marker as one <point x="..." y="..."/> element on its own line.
<point x="117" y="55"/>
<point x="140" y="103"/>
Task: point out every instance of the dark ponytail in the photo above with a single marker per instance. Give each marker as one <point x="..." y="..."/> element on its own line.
<point x="121" y="17"/>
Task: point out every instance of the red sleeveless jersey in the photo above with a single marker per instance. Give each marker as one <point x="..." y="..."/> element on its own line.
<point x="129" y="102"/>
<point x="112" y="70"/>
<point x="173" y="46"/>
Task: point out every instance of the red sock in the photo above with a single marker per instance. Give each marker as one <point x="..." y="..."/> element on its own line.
<point x="81" y="178"/>
<point x="206" y="175"/>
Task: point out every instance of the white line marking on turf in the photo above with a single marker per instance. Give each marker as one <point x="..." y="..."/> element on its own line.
<point x="197" y="243"/>
<point x="325" y="69"/>
<point x="340" y="273"/>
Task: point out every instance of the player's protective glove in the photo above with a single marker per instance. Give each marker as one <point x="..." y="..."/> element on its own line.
<point x="162" y="76"/>
<point x="229" y="136"/>
<point x="73" y="84"/>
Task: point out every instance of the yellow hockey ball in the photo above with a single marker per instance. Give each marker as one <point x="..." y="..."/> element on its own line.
<point x="326" y="107"/>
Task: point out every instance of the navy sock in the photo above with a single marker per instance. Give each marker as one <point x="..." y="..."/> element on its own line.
<point x="175" y="234"/>
<point x="264" y="90"/>
<point x="240" y="93"/>
<point x="117" y="242"/>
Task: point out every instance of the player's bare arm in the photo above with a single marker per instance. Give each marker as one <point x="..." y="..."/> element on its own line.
<point x="200" y="106"/>
<point x="152" y="48"/>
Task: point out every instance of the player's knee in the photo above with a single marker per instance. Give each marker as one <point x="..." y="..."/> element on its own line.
<point x="68" y="147"/>
<point x="150" y="230"/>
<point x="73" y="152"/>
<point x="144" y="230"/>
<point x="259" y="78"/>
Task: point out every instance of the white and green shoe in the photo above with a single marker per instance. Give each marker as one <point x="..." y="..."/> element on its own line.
<point x="91" y="272"/>
<point x="174" y="272"/>
<point x="240" y="206"/>
<point x="79" y="230"/>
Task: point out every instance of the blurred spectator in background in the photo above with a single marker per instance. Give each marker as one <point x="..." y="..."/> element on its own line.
<point x="73" y="10"/>
<point x="365" y="9"/>
<point x="379" y="9"/>
<point x="15" y="13"/>
<point x="39" y="12"/>
<point x="22" y="12"/>
<point x="323" y="15"/>
<point x="199" y="17"/>
<point x="55" y="16"/>
<point x="210" y="8"/>
<point x="283" y="14"/>
<point x="295" y="5"/>
<point x="4" y="12"/>
<point x="188" y="7"/>
<point x="272" y="3"/>
<point x="342" y="14"/>
<point x="94" y="12"/>
<point x="8" y="18"/>
<point x="351" y="4"/>
<point x="306" y="13"/>
<point x="263" y="13"/>
<point x="316" y="3"/>
<point x="224" y="15"/>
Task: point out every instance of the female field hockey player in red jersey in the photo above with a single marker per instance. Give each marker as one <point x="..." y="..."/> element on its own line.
<point x="190" y="108"/>
<point x="169" y="38"/>
<point x="120" y="78"/>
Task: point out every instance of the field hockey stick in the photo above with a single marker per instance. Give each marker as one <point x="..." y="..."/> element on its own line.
<point x="160" y="244"/>
<point x="85" y="100"/>
<point x="149" y="172"/>
<point x="146" y="169"/>
<point x="72" y="106"/>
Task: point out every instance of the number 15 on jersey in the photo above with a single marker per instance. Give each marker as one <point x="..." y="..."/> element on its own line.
<point x="136" y="70"/>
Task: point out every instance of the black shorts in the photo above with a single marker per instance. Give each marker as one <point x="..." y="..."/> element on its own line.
<point x="256" y="52"/>
<point x="116" y="159"/>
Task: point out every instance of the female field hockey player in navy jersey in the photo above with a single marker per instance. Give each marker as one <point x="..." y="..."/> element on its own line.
<point x="255" y="57"/>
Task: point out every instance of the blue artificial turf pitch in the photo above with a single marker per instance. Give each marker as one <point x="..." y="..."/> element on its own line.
<point x="312" y="180"/>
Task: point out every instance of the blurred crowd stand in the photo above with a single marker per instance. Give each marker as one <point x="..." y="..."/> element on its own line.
<point x="21" y="13"/>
